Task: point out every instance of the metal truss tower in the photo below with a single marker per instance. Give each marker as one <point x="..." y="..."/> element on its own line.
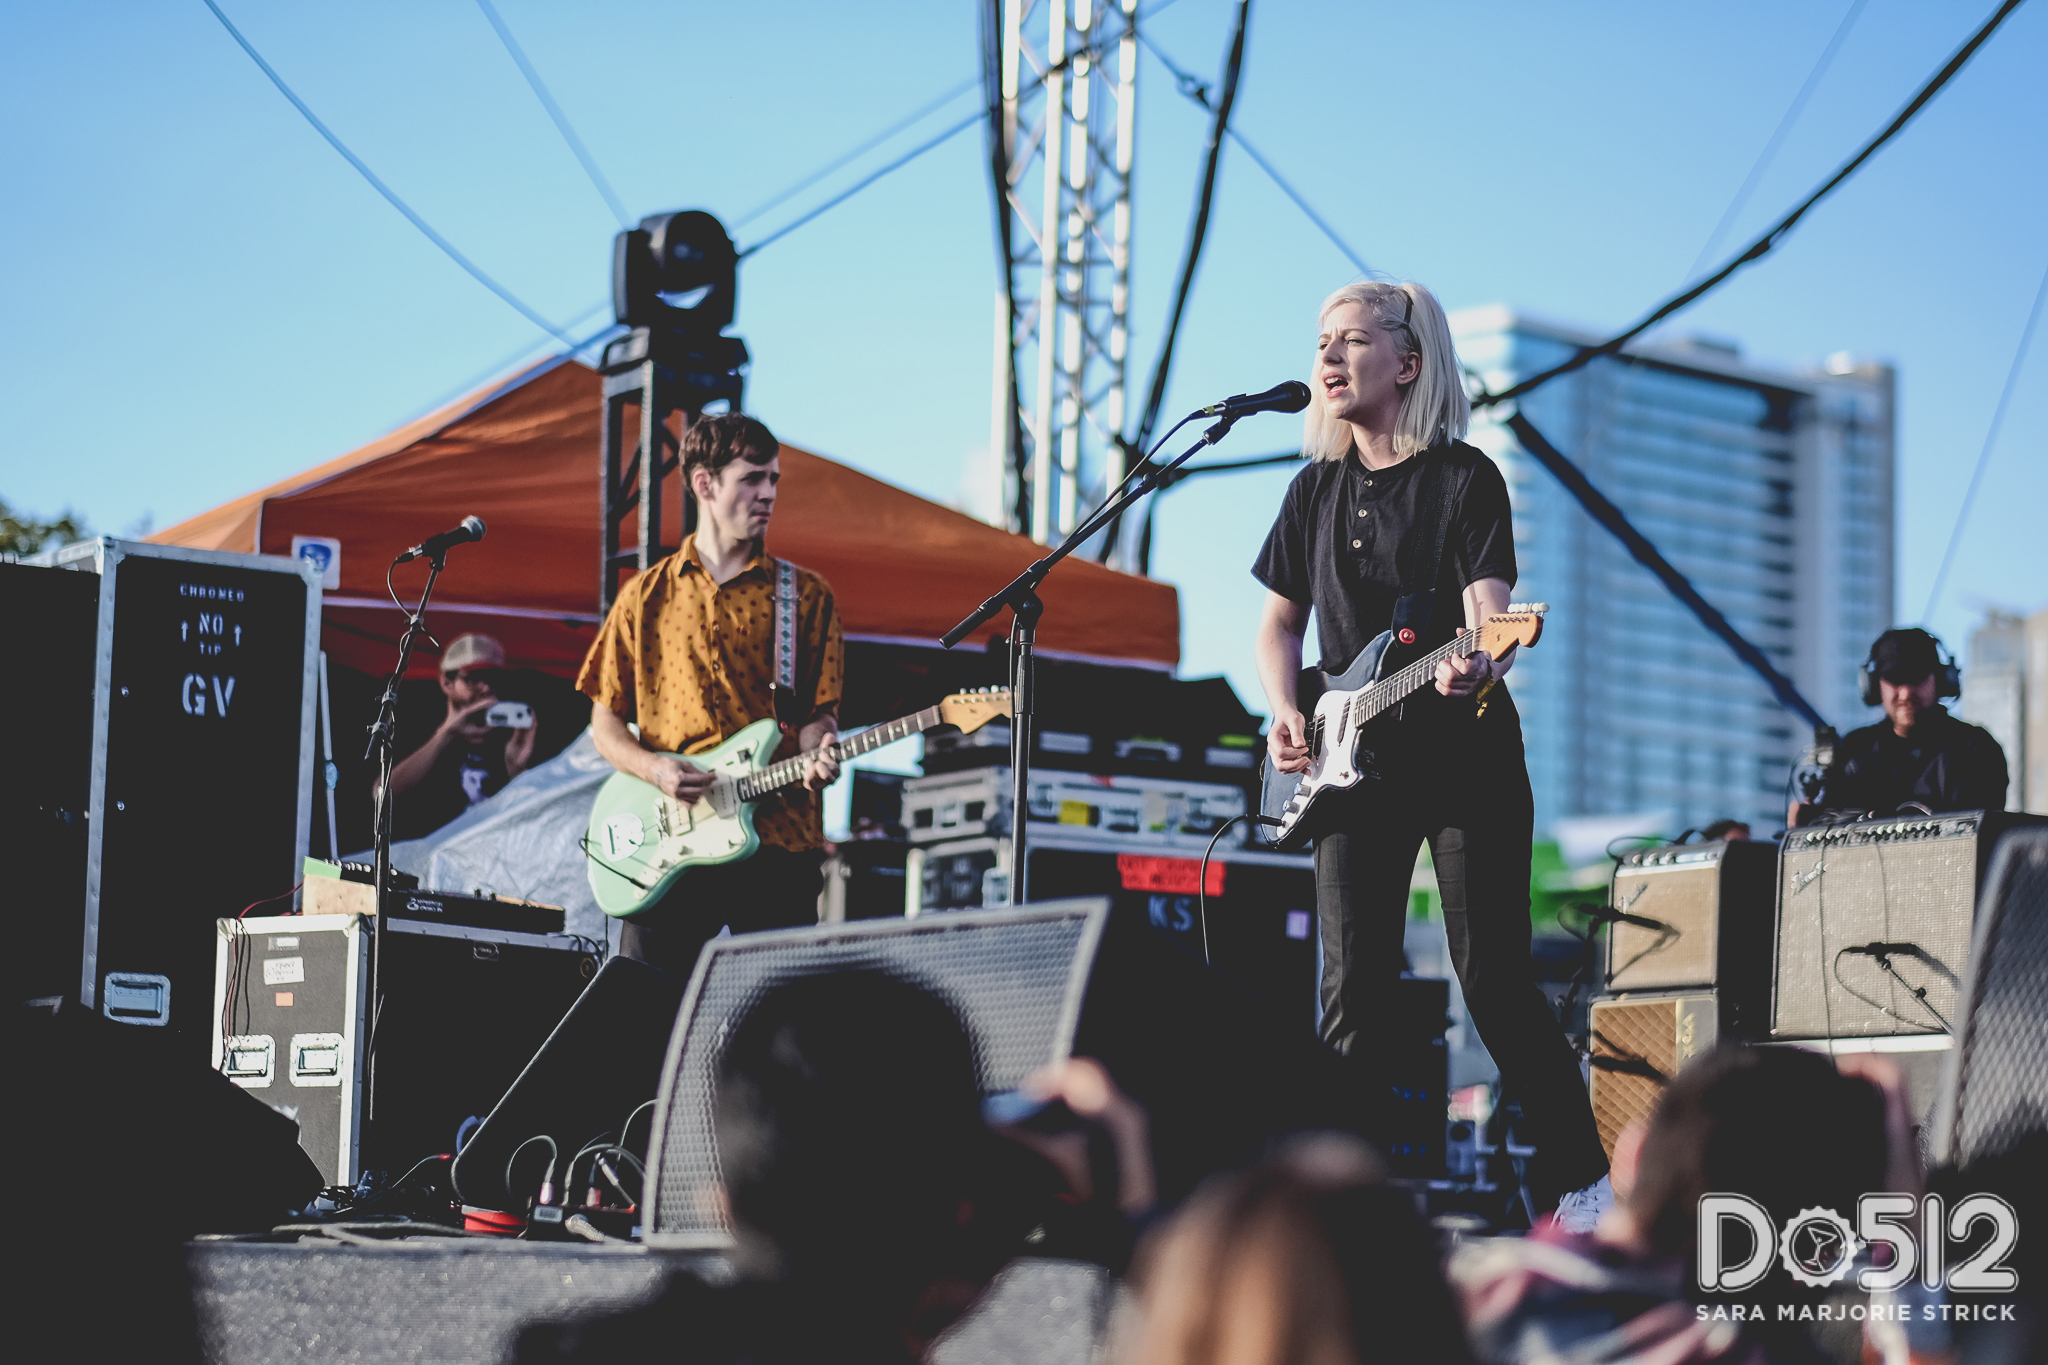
<point x="1068" y="112"/>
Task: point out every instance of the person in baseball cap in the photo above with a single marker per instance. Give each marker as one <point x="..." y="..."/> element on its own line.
<point x="1919" y="754"/>
<point x="466" y="759"/>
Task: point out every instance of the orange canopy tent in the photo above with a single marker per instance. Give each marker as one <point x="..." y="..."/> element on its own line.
<point x="523" y="455"/>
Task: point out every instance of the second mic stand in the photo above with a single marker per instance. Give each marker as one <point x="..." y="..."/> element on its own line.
<point x="1020" y="596"/>
<point x="384" y="749"/>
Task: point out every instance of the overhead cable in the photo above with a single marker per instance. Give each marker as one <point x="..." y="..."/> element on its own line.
<point x="1608" y="515"/>
<point x="1955" y="535"/>
<point x="500" y="367"/>
<point x="1198" y="229"/>
<point x="1198" y="91"/>
<point x="561" y="119"/>
<point x="1763" y="245"/>
<point x="390" y="196"/>
<point x="907" y="157"/>
<point x="1624" y="386"/>
<point x="854" y="154"/>
<point x="836" y="200"/>
<point x="1778" y="134"/>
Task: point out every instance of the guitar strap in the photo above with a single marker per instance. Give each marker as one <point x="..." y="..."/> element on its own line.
<point x="1432" y="524"/>
<point x="789" y="708"/>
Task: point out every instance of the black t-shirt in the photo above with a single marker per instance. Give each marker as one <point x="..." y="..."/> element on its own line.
<point x="463" y="775"/>
<point x="1945" y="764"/>
<point x="1345" y="534"/>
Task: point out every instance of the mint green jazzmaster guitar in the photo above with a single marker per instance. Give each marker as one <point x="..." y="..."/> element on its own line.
<point x="641" y="842"/>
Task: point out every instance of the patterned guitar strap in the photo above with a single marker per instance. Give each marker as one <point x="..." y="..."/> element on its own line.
<point x="789" y="709"/>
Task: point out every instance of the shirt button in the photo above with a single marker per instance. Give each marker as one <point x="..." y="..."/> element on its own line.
<point x="1356" y="543"/>
<point x="1361" y="511"/>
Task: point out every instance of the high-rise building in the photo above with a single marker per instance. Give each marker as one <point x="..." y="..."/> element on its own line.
<point x="2005" y="690"/>
<point x="1770" y="489"/>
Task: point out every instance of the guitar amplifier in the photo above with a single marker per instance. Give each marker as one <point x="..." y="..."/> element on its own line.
<point x="465" y="1008"/>
<point x="1639" y="1044"/>
<point x="1873" y="924"/>
<point x="1711" y="904"/>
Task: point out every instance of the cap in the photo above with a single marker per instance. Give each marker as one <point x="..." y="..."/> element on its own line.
<point x="472" y="651"/>
<point x="1905" y="656"/>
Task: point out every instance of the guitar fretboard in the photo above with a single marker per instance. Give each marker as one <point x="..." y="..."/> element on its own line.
<point x="790" y="771"/>
<point x="1381" y="696"/>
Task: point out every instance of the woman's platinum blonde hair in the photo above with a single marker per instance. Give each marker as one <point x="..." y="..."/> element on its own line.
<point x="1434" y="408"/>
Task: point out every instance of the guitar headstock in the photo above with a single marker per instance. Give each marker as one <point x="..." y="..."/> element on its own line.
<point x="1520" y="624"/>
<point x="972" y="710"/>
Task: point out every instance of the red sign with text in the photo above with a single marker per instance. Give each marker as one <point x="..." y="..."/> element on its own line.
<point x="1180" y="876"/>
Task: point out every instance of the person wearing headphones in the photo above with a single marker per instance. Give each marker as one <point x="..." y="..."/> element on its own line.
<point x="1919" y="753"/>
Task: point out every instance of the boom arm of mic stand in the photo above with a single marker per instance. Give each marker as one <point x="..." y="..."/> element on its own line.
<point x="1026" y="584"/>
<point x="1021" y="597"/>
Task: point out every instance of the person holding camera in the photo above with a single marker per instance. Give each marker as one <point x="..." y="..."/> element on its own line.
<point x="467" y="758"/>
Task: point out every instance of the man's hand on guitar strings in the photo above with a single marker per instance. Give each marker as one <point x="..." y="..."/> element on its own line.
<point x="676" y="777"/>
<point x="1287" y="742"/>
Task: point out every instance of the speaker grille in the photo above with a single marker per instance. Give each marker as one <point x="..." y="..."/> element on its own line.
<point x="1650" y="959"/>
<point x="1999" y="1089"/>
<point x="1661" y="1034"/>
<point x="1015" y="977"/>
<point x="1889" y="881"/>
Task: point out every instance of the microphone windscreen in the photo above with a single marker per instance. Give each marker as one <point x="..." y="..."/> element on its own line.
<point x="475" y="527"/>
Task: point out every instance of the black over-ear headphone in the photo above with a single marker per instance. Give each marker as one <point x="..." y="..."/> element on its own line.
<point x="1948" y="674"/>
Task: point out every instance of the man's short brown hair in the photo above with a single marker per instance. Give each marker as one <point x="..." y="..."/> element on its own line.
<point x="712" y="443"/>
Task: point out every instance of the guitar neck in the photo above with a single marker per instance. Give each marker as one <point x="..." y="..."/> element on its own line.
<point x="790" y="771"/>
<point x="1388" y="691"/>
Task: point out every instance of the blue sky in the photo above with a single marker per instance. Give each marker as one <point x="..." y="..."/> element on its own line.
<point x="201" y="296"/>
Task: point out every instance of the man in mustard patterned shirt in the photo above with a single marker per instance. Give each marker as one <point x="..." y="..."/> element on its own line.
<point x="688" y="652"/>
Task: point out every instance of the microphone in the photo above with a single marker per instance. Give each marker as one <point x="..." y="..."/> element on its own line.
<point x="1605" y="915"/>
<point x="1886" y="950"/>
<point x="1291" y="396"/>
<point x="472" y="528"/>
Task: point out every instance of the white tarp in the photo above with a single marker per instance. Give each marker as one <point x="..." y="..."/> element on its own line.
<point x="526" y="841"/>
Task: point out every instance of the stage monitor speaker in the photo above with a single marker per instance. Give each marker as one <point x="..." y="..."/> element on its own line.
<point x="1713" y="903"/>
<point x="1846" y="891"/>
<point x="1639" y="1044"/>
<point x="1015" y="977"/>
<point x="588" y="1082"/>
<point x="1995" y="1090"/>
<point x="1218" y="1069"/>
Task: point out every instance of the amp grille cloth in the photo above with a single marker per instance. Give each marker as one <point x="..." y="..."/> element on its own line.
<point x="2001" y="1078"/>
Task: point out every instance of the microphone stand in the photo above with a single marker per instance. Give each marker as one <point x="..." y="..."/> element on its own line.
<point x="1022" y="600"/>
<point x="384" y="748"/>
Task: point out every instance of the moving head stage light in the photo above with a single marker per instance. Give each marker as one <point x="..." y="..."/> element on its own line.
<point x="675" y="283"/>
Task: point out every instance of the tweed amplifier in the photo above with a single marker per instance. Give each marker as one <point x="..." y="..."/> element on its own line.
<point x="1873" y="925"/>
<point x="1699" y="917"/>
<point x="1639" y="1044"/>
